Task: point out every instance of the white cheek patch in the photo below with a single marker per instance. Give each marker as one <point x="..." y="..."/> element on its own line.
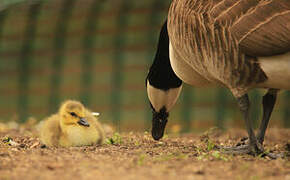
<point x="160" y="98"/>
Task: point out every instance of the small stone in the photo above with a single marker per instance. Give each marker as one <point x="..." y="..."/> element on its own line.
<point x="22" y="145"/>
<point x="199" y="172"/>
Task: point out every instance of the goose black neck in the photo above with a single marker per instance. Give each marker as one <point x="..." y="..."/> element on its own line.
<point x="161" y="74"/>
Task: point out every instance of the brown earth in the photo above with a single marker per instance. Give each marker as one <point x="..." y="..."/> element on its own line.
<point x="137" y="156"/>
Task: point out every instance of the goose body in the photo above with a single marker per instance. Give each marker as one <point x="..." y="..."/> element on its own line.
<point x="238" y="44"/>
<point x="221" y="44"/>
<point x="73" y="125"/>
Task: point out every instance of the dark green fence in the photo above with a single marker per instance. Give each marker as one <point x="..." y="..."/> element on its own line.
<point x="98" y="52"/>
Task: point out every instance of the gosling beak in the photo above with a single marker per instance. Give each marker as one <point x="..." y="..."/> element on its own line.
<point x="83" y="122"/>
<point x="158" y="124"/>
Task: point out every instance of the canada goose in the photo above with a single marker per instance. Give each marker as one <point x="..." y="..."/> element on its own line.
<point x="73" y="125"/>
<point x="239" y="44"/>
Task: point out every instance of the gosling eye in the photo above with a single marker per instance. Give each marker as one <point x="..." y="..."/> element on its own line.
<point x="73" y="114"/>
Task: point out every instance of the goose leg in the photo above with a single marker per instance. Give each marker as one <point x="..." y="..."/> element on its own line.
<point x="252" y="147"/>
<point x="268" y="104"/>
<point x="244" y="105"/>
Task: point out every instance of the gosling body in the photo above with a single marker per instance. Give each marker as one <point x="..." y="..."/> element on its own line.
<point x="73" y="125"/>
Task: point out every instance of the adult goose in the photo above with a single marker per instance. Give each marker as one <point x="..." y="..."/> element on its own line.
<point x="239" y="44"/>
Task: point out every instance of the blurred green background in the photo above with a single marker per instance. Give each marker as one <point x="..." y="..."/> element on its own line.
<point x="99" y="52"/>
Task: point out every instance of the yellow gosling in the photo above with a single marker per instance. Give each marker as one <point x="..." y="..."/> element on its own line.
<point x="73" y="125"/>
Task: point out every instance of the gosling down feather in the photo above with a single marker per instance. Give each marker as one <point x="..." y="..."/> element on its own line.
<point x="73" y="125"/>
<point x="237" y="44"/>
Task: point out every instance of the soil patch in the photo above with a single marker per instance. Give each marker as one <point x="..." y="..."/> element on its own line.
<point x="138" y="156"/>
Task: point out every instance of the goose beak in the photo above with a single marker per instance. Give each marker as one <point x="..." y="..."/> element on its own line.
<point x="83" y="122"/>
<point x="158" y="124"/>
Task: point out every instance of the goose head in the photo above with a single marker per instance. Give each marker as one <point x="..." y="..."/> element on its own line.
<point x="163" y="86"/>
<point x="73" y="113"/>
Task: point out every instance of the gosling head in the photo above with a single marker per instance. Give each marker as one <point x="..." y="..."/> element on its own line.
<point x="73" y="113"/>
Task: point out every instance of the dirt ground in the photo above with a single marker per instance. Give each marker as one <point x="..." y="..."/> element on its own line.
<point x="138" y="156"/>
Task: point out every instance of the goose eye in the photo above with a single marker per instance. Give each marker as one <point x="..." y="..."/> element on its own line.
<point x="73" y="114"/>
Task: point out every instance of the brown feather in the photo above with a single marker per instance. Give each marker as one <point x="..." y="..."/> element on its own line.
<point x="262" y="27"/>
